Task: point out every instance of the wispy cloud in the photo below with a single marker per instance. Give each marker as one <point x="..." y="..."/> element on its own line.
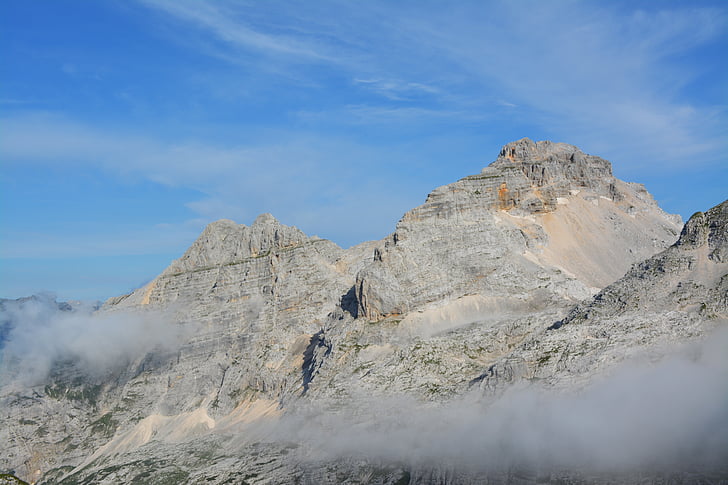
<point x="397" y="90"/>
<point x="608" y="78"/>
<point x="163" y="238"/>
<point x="414" y="116"/>
<point x="224" y="21"/>
<point x="317" y="111"/>
<point x="16" y="102"/>
<point x="590" y="74"/>
<point x="304" y="179"/>
<point x="502" y="102"/>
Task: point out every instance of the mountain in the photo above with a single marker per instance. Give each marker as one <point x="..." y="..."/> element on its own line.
<point x="264" y="355"/>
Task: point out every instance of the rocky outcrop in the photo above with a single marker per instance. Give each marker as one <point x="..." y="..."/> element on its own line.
<point x="257" y="296"/>
<point x="709" y="230"/>
<point x="249" y="301"/>
<point x="533" y="175"/>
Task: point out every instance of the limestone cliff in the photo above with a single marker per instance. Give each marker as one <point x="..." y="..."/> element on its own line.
<point x="542" y="216"/>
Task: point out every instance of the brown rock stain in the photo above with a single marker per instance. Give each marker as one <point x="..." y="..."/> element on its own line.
<point x="148" y="292"/>
<point x="503" y="196"/>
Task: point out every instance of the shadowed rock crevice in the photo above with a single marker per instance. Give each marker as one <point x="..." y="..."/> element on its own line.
<point x="349" y="302"/>
<point x="318" y="349"/>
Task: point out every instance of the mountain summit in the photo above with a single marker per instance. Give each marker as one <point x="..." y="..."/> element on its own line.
<point x="538" y="173"/>
<point x="545" y="208"/>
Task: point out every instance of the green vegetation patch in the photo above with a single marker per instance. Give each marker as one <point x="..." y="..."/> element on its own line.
<point x="482" y="177"/>
<point x="547" y="356"/>
<point x="10" y="479"/>
<point x="165" y="477"/>
<point x="104" y="426"/>
<point x="89" y="394"/>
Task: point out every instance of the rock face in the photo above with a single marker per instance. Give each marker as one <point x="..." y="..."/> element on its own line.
<point x="547" y="210"/>
<point x="690" y="276"/>
<point x="251" y="301"/>
<point x="500" y="278"/>
<point x="532" y="176"/>
<point x="258" y="296"/>
<point x="677" y="295"/>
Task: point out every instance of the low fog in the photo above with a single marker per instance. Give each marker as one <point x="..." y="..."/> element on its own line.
<point x="663" y="417"/>
<point x="37" y="333"/>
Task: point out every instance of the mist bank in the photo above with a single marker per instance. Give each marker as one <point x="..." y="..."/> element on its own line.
<point x="38" y="333"/>
<point x="663" y="417"/>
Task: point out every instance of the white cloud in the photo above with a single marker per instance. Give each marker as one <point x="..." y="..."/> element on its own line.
<point x="104" y="241"/>
<point x="397" y="90"/>
<point x="413" y="115"/>
<point x="669" y="416"/>
<point x="506" y="104"/>
<point x="223" y="20"/>
<point x="608" y="78"/>
<point x="291" y="175"/>
<point x="36" y="336"/>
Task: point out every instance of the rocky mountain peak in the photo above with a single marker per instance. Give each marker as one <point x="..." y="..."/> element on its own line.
<point x="265" y="219"/>
<point x="545" y="205"/>
<point x="534" y="178"/>
<point x="526" y="150"/>
<point x="559" y="166"/>
<point x="709" y="228"/>
<point x="224" y="242"/>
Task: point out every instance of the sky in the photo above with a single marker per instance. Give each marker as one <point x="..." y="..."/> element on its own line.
<point x="127" y="126"/>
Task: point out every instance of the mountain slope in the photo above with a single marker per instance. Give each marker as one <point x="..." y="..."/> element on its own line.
<point x="678" y="295"/>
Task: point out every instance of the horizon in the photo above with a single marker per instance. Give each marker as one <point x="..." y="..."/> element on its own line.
<point x="127" y="127"/>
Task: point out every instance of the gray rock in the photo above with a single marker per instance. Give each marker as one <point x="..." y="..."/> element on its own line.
<point x="542" y="214"/>
<point x="677" y="296"/>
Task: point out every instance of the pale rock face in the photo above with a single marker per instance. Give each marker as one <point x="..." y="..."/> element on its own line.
<point x="258" y="295"/>
<point x="490" y="282"/>
<point x="536" y="174"/>
<point x="677" y="295"/>
<point x="548" y="211"/>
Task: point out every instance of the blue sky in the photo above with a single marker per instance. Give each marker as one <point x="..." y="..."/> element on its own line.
<point x="127" y="126"/>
